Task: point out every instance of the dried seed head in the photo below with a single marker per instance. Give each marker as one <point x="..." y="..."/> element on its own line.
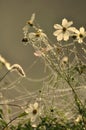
<point x="39" y="32"/>
<point x="7" y="65"/>
<point x="18" y="68"/>
<point x="24" y="40"/>
<point x="4" y="62"/>
<point x="30" y="22"/>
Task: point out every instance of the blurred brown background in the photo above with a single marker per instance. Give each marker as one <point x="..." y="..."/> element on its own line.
<point x="15" y="13"/>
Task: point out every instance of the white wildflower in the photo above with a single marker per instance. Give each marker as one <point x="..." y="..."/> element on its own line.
<point x="63" y="31"/>
<point x="80" y="34"/>
<point x="34" y="111"/>
<point x="37" y="37"/>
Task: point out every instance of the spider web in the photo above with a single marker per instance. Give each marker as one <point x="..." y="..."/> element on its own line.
<point x="16" y="92"/>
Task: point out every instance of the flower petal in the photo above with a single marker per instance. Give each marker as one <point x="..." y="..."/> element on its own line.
<point x="66" y="36"/>
<point x="64" y="22"/>
<point x="57" y="26"/>
<point x="28" y="110"/>
<point x="60" y="37"/>
<point x="56" y="33"/>
<point x="71" y="29"/>
<point x="80" y="40"/>
<point x="82" y="30"/>
<point x="69" y="23"/>
<point x="35" y="105"/>
<point x="33" y="118"/>
<point x="76" y="31"/>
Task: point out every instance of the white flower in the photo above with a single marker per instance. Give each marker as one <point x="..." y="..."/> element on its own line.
<point x="34" y="111"/>
<point x="80" y="34"/>
<point x="63" y="31"/>
<point x="37" y="37"/>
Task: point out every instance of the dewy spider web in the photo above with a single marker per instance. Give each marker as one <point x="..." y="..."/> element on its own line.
<point x="62" y="65"/>
<point x="54" y="94"/>
<point x="17" y="92"/>
<point x="63" y="61"/>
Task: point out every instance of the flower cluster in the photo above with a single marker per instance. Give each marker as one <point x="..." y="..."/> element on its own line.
<point x="64" y="31"/>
